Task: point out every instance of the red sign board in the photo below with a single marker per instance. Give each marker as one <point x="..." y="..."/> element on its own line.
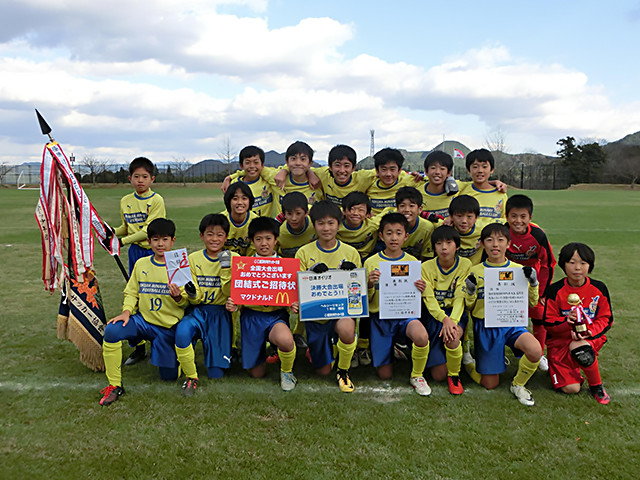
<point x="264" y="281"/>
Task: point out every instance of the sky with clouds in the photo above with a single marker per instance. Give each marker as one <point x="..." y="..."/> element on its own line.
<point x="175" y="80"/>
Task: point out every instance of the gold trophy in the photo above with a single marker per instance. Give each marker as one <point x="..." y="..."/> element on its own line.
<point x="580" y="325"/>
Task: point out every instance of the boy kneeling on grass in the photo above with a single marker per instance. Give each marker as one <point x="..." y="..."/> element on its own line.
<point x="158" y="306"/>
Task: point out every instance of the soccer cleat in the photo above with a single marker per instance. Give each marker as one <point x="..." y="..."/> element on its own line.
<point x="110" y="394"/>
<point x="401" y="351"/>
<point x="301" y="343"/>
<point x="600" y="394"/>
<point x="455" y="385"/>
<point x="189" y="387"/>
<point x="544" y="364"/>
<point x="288" y="381"/>
<point x="275" y="358"/>
<point x="355" y="361"/>
<point x="364" y="356"/>
<point x="420" y="385"/>
<point x="138" y="355"/>
<point x="467" y="358"/>
<point x="522" y="394"/>
<point x="344" y="382"/>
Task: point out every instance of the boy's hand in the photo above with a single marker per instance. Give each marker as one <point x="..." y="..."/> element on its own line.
<point x="502" y="187"/>
<point x="432" y="217"/>
<point x="417" y="176"/>
<point x="174" y="291"/>
<point x="374" y="277"/>
<point x="224" y="257"/>
<point x="319" y="267"/>
<point x="450" y="186"/>
<point x="420" y="285"/>
<point x="346" y="265"/>
<point x="471" y="283"/>
<point x="580" y="336"/>
<point x="123" y="317"/>
<point x="190" y="290"/>
<point x="230" y="305"/>
<point x="448" y="221"/>
<point x="225" y="183"/>
<point x="448" y="331"/>
<point x="295" y="307"/>
<point x="279" y="178"/>
<point x="531" y="275"/>
<point x="314" y="180"/>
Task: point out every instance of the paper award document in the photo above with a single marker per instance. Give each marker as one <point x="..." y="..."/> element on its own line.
<point x="506" y="297"/>
<point x="398" y="296"/>
<point x="178" y="269"/>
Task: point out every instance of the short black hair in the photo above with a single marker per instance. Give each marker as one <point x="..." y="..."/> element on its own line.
<point x="394" y="217"/>
<point x="444" y="232"/>
<point x="251" y="151"/>
<point x="293" y="200"/>
<point x="499" y="228"/>
<point x="264" y="224"/>
<point x="439" y="157"/>
<point x="231" y="191"/>
<point x="464" y="204"/>
<point x="297" y="148"/>
<point x="481" y="155"/>
<point x="388" y="155"/>
<point x="142" y="162"/>
<point x="356" y="198"/>
<point x="325" y="208"/>
<point x="161" y="227"/>
<point x="342" y="151"/>
<point x="212" y="220"/>
<point x="584" y="252"/>
<point x="519" y="201"/>
<point x="408" y="193"/>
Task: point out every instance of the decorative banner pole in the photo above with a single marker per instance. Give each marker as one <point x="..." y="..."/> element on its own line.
<point x="68" y="223"/>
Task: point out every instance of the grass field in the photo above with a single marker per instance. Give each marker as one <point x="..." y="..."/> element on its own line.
<point x="51" y="425"/>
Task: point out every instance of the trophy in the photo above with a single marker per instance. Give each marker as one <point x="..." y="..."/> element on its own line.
<point x="580" y="325"/>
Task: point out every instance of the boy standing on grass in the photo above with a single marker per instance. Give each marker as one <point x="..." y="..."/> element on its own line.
<point x="490" y="342"/>
<point x="138" y="210"/>
<point x="393" y="232"/>
<point x="529" y="246"/>
<point x="260" y="324"/>
<point x="325" y="253"/>
<point x="208" y="320"/>
<point x="572" y="349"/>
<point x="444" y="315"/>
<point x="239" y="199"/>
<point x="150" y="310"/>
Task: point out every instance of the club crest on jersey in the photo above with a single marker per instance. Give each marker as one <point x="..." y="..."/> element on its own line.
<point x="498" y="207"/>
<point x="593" y="306"/>
<point x="264" y="193"/>
<point x="312" y="198"/>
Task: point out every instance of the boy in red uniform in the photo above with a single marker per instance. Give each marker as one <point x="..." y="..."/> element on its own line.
<point x="569" y="351"/>
<point x="530" y="247"/>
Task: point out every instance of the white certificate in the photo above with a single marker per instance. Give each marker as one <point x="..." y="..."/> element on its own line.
<point x="398" y="296"/>
<point x="506" y="297"/>
<point x="178" y="269"/>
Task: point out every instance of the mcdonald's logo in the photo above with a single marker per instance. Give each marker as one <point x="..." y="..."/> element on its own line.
<point x="282" y="298"/>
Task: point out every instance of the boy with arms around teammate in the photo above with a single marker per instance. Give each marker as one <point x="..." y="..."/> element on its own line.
<point x="444" y="315"/>
<point x="357" y="228"/>
<point x="238" y="199"/>
<point x="260" y="324"/>
<point x="208" y="319"/>
<point x="329" y="253"/>
<point x="570" y="349"/>
<point x="529" y="246"/>
<point x="464" y="211"/>
<point x="159" y="307"/>
<point x="490" y="342"/>
<point x="393" y="232"/>
<point x="388" y="165"/>
<point x="418" y="243"/>
<point x="296" y="230"/>
<point x="251" y="159"/>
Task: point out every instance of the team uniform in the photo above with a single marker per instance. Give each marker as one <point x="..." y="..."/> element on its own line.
<point x="147" y="293"/>
<point x="290" y="185"/>
<point x="492" y="203"/>
<point x="437" y="203"/>
<point x="321" y="334"/>
<point x="208" y="319"/>
<point x="360" y="181"/>
<point x="137" y="213"/>
<point x="263" y="205"/>
<point x="362" y="238"/>
<point x="443" y="297"/>
<point x="289" y="241"/>
<point x="470" y="246"/>
<point x="238" y="238"/>
<point x="419" y="242"/>
<point x="563" y="368"/>
<point x="490" y="343"/>
<point x="383" y="196"/>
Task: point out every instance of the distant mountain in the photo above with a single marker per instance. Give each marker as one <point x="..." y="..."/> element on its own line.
<point x="632" y="139"/>
<point x="414" y="161"/>
<point x="210" y="166"/>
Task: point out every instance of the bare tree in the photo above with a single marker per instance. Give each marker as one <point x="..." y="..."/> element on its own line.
<point x="179" y="168"/>
<point x="95" y="165"/>
<point x="228" y="153"/>
<point x="4" y="169"/>
<point x="495" y="140"/>
<point x="624" y="163"/>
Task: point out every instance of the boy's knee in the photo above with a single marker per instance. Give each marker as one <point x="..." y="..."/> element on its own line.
<point x="584" y="355"/>
<point x="439" y="373"/>
<point x="385" y="372"/>
<point x="571" y="389"/>
<point x="489" y="382"/>
<point x="112" y="333"/>
<point x="326" y="370"/>
<point x="215" y="372"/>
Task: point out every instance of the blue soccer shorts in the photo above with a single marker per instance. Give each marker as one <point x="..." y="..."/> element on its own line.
<point x="383" y="333"/>
<point x="437" y="352"/>
<point x="321" y="337"/>
<point x="489" y="344"/>
<point x="255" y="327"/>
<point x="212" y="324"/>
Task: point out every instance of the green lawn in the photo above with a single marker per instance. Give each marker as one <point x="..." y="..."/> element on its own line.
<point x="51" y="425"/>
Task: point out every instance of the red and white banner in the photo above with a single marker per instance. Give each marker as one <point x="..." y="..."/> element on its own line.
<point x="457" y="153"/>
<point x="264" y="280"/>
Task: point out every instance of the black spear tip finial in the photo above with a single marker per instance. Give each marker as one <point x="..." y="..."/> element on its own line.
<point x="44" y="126"/>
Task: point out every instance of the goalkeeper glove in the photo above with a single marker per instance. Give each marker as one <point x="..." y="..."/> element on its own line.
<point x="471" y="283"/>
<point x="319" y="268"/>
<point x="531" y="275"/>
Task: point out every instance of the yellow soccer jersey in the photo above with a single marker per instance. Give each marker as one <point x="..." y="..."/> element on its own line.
<point x="213" y="284"/>
<point x="137" y="213"/>
<point x="437" y="203"/>
<point x="312" y="253"/>
<point x="444" y="288"/>
<point x="373" y="263"/>
<point x="470" y="246"/>
<point x="238" y="238"/>
<point x="419" y="242"/>
<point x="362" y="238"/>
<point x="262" y="197"/>
<point x="492" y="203"/>
<point x="148" y="292"/>
<point x="475" y="303"/>
<point x="360" y="181"/>
<point x="289" y="242"/>
<point x="384" y="197"/>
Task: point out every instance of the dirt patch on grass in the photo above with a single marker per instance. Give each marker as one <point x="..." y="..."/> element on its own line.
<point x="603" y="186"/>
